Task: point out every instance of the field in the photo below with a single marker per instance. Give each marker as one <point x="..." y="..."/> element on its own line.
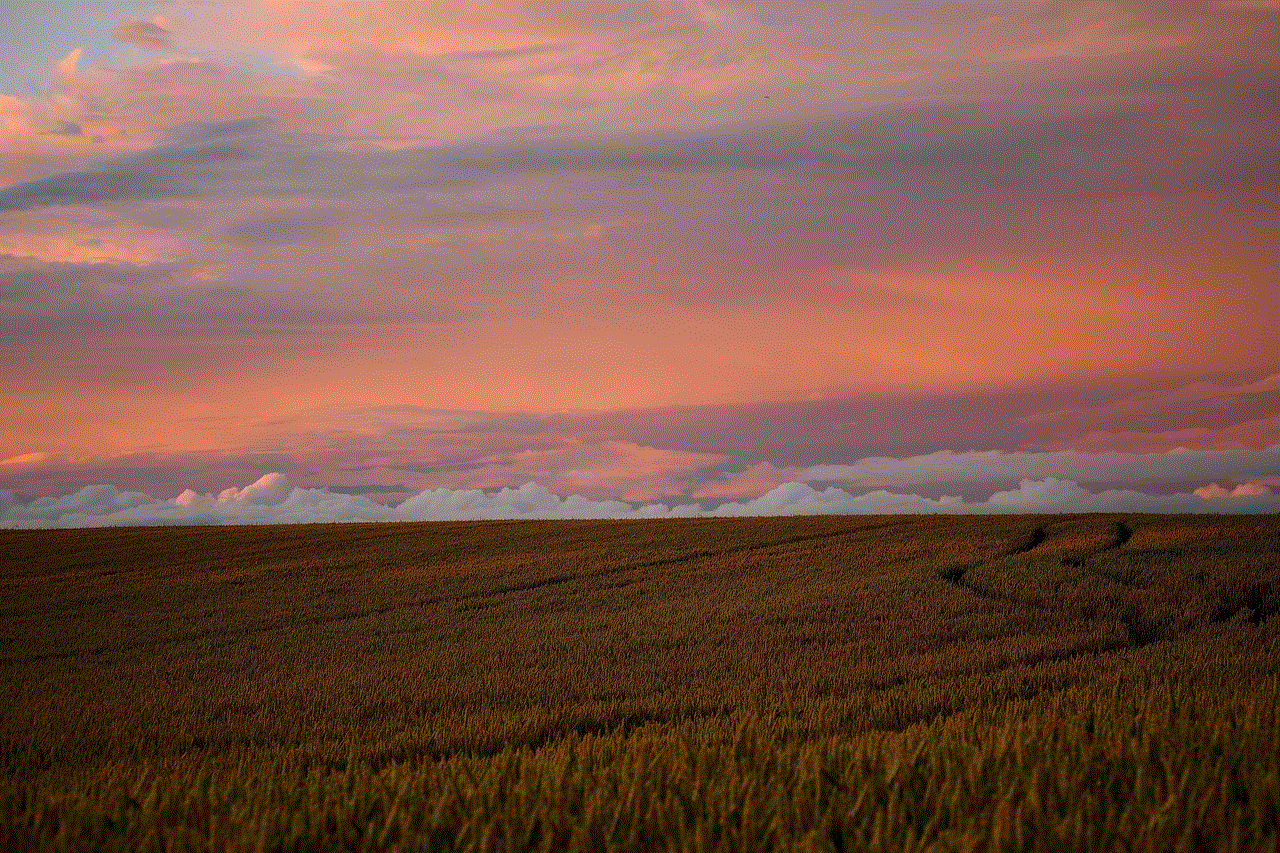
<point x="856" y="683"/>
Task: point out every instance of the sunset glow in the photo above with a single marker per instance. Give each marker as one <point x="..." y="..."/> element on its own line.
<point x="689" y="255"/>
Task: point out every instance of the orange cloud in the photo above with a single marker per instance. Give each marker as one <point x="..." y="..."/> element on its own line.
<point x="564" y="207"/>
<point x="1213" y="490"/>
<point x="608" y="469"/>
<point x="748" y="483"/>
<point x="156" y="34"/>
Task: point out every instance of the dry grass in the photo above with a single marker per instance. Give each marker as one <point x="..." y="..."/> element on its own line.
<point x="867" y="683"/>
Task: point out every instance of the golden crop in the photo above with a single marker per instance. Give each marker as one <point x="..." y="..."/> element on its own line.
<point x="855" y="683"/>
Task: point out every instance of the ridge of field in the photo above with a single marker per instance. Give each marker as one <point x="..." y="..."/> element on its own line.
<point x="835" y="683"/>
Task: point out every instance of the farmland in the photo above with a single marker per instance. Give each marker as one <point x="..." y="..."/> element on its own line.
<point x="1084" y="682"/>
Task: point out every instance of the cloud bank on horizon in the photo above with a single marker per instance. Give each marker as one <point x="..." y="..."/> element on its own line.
<point x="272" y="500"/>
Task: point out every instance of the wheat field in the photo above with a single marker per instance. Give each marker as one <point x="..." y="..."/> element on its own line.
<point x="1091" y="683"/>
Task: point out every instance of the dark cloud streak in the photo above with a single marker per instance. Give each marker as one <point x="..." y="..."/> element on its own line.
<point x="1121" y="141"/>
<point x="166" y="171"/>
<point x="41" y="298"/>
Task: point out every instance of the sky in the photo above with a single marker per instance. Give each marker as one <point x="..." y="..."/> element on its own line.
<point x="286" y="261"/>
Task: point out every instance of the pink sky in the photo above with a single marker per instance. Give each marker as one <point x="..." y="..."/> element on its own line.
<point x="639" y="251"/>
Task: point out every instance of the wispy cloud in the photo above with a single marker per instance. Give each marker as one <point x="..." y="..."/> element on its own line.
<point x="145" y="35"/>
<point x="644" y="252"/>
<point x="171" y="170"/>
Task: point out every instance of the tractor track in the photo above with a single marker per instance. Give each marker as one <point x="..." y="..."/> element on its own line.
<point x="464" y="599"/>
<point x="958" y="575"/>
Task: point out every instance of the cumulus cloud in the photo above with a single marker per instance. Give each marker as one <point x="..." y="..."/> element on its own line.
<point x="102" y="501"/>
<point x="528" y="501"/>
<point x="258" y="503"/>
<point x="271" y="500"/>
<point x="1050" y="495"/>
<point x="269" y="490"/>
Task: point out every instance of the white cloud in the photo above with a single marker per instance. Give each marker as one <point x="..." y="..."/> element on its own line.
<point x="1049" y="495"/>
<point x="267" y="490"/>
<point x="996" y="466"/>
<point x="528" y="501"/>
<point x="89" y="502"/>
<point x="271" y="500"/>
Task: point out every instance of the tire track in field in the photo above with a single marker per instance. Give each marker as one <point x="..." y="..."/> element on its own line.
<point x="668" y="561"/>
<point x="1123" y="533"/>
<point x="324" y="619"/>
<point x="1120" y="537"/>
<point x="958" y="574"/>
<point x="1141" y="632"/>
